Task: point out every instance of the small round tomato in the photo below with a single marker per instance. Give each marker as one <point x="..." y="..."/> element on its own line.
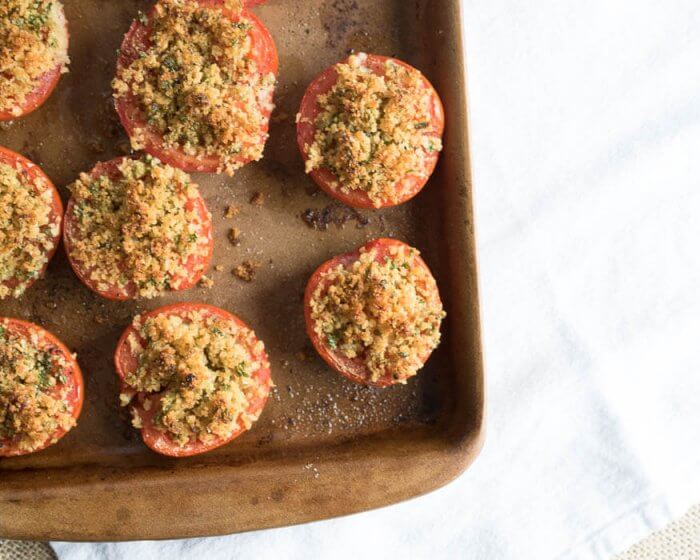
<point x="406" y="188"/>
<point x="137" y="40"/>
<point x="194" y="268"/>
<point x="356" y="368"/>
<point x="47" y="82"/>
<point x="38" y="179"/>
<point x="73" y="386"/>
<point x="147" y="405"/>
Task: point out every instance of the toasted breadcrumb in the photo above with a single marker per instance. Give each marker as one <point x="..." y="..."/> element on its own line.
<point x="204" y="369"/>
<point x="33" y="390"/>
<point x="28" y="229"/>
<point x="232" y="211"/>
<point x="246" y="270"/>
<point x="373" y="131"/>
<point x="138" y="230"/>
<point x="386" y="313"/>
<point x="257" y="199"/>
<point x="234" y="236"/>
<point x="197" y="86"/>
<point x="206" y="282"/>
<point x="33" y="41"/>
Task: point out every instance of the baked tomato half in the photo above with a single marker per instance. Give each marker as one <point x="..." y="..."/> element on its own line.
<point x="374" y="314"/>
<point x="207" y="374"/>
<point x="383" y="138"/>
<point x="137" y="123"/>
<point x="140" y="241"/>
<point x="40" y="401"/>
<point x="52" y="27"/>
<point x="33" y="247"/>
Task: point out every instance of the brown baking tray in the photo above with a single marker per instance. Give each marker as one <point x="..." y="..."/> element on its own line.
<point x="323" y="446"/>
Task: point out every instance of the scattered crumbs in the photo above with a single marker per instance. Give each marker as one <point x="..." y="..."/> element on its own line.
<point x="258" y="199"/>
<point x="50" y="304"/>
<point x="219" y="267"/>
<point x="234" y="236"/>
<point x="100" y="319"/>
<point x="206" y="282"/>
<point x="246" y="270"/>
<point x="303" y="356"/>
<point x="232" y="211"/>
<point x="334" y="213"/>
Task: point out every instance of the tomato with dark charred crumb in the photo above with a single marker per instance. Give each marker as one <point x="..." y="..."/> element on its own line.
<point x="383" y="137"/>
<point x="152" y="135"/>
<point x="41" y="388"/>
<point x="374" y="314"/>
<point x="124" y="242"/>
<point x="139" y="354"/>
<point x="31" y="217"/>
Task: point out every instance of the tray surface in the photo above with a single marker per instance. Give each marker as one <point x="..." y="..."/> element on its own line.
<point x="323" y="446"/>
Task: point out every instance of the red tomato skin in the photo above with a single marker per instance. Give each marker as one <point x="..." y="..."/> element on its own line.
<point x="156" y="440"/>
<point x="408" y="187"/>
<point x="45" y="87"/>
<point x="75" y="398"/>
<point x="136" y="39"/>
<point x="351" y="368"/>
<point x="110" y="168"/>
<point x="33" y="171"/>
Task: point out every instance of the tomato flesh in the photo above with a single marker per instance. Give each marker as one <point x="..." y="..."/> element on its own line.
<point x="407" y="187"/>
<point x="126" y="362"/>
<point x="195" y="266"/>
<point x="74" y="379"/>
<point x="137" y="40"/>
<point x="32" y="172"/>
<point x="354" y="369"/>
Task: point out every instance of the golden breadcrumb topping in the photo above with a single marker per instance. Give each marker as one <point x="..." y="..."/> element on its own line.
<point x="203" y="367"/>
<point x="33" y="391"/>
<point x="373" y="131"/>
<point x="33" y="41"/>
<point x="386" y="313"/>
<point x="27" y="231"/>
<point x="138" y="229"/>
<point x="198" y="87"/>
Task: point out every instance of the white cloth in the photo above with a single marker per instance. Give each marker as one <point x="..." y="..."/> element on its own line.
<point x="586" y="145"/>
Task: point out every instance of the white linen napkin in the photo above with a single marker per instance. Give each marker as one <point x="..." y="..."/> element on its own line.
<point x="586" y="144"/>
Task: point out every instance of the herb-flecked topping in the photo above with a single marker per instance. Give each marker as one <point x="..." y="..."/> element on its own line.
<point x="203" y="366"/>
<point x="33" y="390"/>
<point x="386" y="312"/>
<point x="33" y="41"/>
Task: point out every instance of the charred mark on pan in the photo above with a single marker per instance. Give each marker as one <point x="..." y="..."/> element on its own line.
<point x="334" y="213"/>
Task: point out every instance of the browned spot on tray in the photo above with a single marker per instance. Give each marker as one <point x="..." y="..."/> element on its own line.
<point x="333" y="213"/>
<point x="340" y="19"/>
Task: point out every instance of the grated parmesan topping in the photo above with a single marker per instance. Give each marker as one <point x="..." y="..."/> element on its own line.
<point x="198" y="87"/>
<point x="204" y="370"/>
<point x="27" y="231"/>
<point x="138" y="230"/>
<point x="373" y="131"/>
<point x="386" y="313"/>
<point x="33" y="391"/>
<point x="33" y="41"/>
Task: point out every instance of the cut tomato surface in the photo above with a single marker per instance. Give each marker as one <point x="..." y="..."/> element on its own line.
<point x="39" y="180"/>
<point x="45" y="84"/>
<point x="194" y="268"/>
<point x="354" y="369"/>
<point x="406" y="188"/>
<point x="44" y="340"/>
<point x="137" y="40"/>
<point x="148" y="404"/>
